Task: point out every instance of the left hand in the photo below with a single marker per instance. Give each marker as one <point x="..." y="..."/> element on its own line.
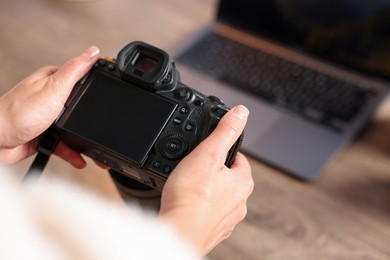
<point x="28" y="109"/>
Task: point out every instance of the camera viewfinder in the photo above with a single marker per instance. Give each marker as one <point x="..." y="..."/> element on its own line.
<point x="145" y="63"/>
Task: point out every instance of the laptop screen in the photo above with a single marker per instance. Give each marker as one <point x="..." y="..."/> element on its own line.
<point x="354" y="33"/>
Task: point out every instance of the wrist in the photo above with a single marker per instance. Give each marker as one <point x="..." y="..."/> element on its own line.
<point x="7" y="115"/>
<point x="3" y="123"/>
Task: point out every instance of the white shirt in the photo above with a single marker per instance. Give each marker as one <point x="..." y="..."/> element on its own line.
<point x="53" y="219"/>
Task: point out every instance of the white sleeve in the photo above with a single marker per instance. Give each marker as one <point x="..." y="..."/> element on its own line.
<point x="55" y="220"/>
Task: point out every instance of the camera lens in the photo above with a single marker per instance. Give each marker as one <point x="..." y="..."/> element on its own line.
<point x="145" y="64"/>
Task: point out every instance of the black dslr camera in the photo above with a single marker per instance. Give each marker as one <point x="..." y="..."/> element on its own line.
<point x="135" y="116"/>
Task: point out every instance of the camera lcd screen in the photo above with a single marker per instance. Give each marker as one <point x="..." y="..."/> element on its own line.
<point x="120" y="117"/>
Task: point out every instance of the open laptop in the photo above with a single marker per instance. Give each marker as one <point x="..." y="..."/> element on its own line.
<point x="311" y="72"/>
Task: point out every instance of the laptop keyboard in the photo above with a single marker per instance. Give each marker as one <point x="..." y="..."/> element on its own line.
<point x="304" y="91"/>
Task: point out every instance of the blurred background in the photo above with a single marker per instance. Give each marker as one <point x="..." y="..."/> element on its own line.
<point x="36" y="33"/>
<point x="342" y="214"/>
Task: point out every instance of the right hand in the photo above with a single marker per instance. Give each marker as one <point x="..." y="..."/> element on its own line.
<point x="202" y="198"/>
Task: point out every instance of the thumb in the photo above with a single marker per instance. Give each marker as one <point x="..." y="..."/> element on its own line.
<point x="228" y="130"/>
<point x="72" y="71"/>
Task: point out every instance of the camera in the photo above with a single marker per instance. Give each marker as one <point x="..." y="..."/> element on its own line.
<point x="134" y="115"/>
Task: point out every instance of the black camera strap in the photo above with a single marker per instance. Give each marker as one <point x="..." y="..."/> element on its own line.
<point x="45" y="148"/>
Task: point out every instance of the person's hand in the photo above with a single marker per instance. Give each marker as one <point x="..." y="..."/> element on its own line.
<point x="203" y="198"/>
<point x="27" y="110"/>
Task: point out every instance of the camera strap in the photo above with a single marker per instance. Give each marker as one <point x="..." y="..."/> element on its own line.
<point x="45" y="148"/>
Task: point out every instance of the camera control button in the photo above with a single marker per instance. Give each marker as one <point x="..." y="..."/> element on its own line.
<point x="168" y="78"/>
<point x="167" y="169"/>
<point x="220" y="110"/>
<point x="216" y="109"/>
<point x="156" y="164"/>
<point x="102" y="63"/>
<point x="199" y="102"/>
<point x="184" y="110"/>
<point x="111" y="66"/>
<point x="183" y="93"/>
<point x="177" y="121"/>
<point x="173" y="146"/>
<point x="189" y="128"/>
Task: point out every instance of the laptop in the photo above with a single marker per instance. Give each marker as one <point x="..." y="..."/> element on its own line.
<point x="312" y="73"/>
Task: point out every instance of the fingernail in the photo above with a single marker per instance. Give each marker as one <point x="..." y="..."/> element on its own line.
<point x="92" y="51"/>
<point x="241" y="112"/>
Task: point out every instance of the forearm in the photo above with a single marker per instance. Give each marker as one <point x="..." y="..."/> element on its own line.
<point x="193" y="227"/>
<point x="186" y="229"/>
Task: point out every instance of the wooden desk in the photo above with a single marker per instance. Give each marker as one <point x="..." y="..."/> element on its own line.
<point x="342" y="214"/>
